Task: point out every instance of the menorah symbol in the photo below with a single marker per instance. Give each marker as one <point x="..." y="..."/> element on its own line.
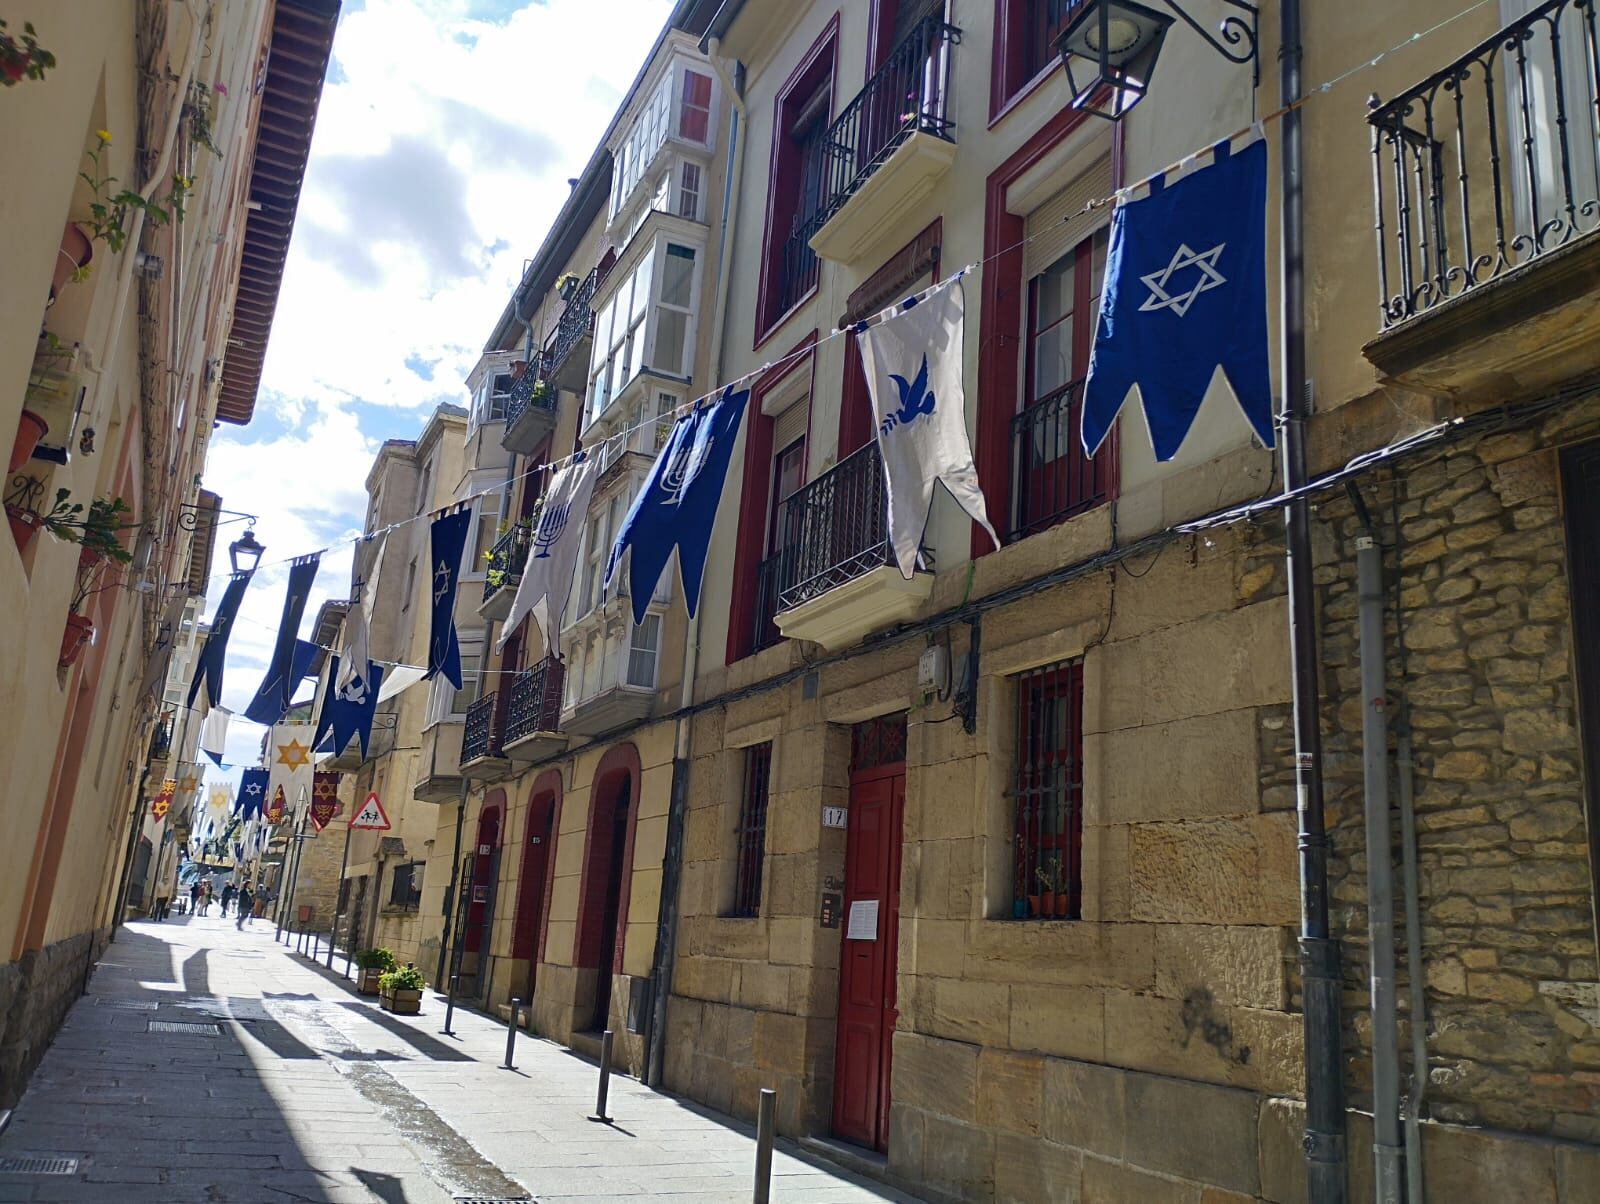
<point x="552" y="522"/>
<point x="678" y="471"/>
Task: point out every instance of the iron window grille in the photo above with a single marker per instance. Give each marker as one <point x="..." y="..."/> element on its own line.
<point x="752" y="832"/>
<point x="1048" y="793"/>
<point x="405" y="887"/>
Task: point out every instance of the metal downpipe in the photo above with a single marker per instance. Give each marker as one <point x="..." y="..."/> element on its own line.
<point x="1319" y="953"/>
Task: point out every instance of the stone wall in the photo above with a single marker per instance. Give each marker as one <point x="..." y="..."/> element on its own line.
<point x="35" y="993"/>
<point x="1508" y="938"/>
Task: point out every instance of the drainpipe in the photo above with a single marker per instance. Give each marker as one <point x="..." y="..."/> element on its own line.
<point x="672" y="853"/>
<point x="1388" y="1156"/>
<point x="1319" y="952"/>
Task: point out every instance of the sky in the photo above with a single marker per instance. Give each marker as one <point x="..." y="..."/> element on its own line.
<point x="447" y="132"/>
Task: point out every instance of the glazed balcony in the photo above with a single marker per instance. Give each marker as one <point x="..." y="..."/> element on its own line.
<point x="533" y="717"/>
<point x="836" y="575"/>
<point x="1486" y="183"/>
<point x="482" y="758"/>
<point x="566" y="354"/>
<point x="888" y="147"/>
<point x="440" y="764"/>
<point x="530" y="410"/>
<point x="503" y="571"/>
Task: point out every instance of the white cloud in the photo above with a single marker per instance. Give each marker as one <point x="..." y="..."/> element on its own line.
<point x="442" y="152"/>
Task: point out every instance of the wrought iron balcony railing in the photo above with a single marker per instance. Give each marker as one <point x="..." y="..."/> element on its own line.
<point x="834" y="529"/>
<point x="536" y="700"/>
<point x="506" y="560"/>
<point x="1489" y="163"/>
<point x="768" y="576"/>
<point x="576" y="324"/>
<point x="480" y="736"/>
<point x="161" y="739"/>
<point x="1051" y="478"/>
<point x="530" y="391"/>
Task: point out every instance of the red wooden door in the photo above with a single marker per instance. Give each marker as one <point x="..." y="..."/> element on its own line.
<point x="867" y="961"/>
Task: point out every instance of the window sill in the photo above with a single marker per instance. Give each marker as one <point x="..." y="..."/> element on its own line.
<point x="1022" y="95"/>
<point x="763" y="336"/>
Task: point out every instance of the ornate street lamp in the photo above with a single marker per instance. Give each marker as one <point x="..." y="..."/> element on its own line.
<point x="245" y="552"/>
<point x="1108" y="49"/>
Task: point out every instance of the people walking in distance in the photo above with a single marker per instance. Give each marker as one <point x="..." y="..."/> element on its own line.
<point x="205" y="898"/>
<point x="245" y="910"/>
<point x="228" y="892"/>
<point x="194" y="897"/>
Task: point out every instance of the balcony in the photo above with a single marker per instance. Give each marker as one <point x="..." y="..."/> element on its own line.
<point x="482" y="759"/>
<point x="1051" y="477"/>
<point x="533" y="718"/>
<point x="530" y="410"/>
<point x="504" y="571"/>
<point x="837" y="579"/>
<point x="439" y="764"/>
<point x="1487" y="195"/>
<point x="566" y="353"/>
<point x="888" y="147"/>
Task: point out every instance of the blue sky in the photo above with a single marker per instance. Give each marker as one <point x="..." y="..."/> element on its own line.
<point x="446" y="135"/>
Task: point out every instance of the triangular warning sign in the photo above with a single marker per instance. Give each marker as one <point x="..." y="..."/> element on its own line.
<point x="371" y="816"/>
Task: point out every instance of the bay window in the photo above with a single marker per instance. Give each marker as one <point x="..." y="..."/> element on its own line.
<point x="673" y="311"/>
<point x="653" y="307"/>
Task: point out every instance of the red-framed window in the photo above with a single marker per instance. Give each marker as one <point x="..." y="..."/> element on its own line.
<point x="1047" y="793"/>
<point x="694" y="117"/>
<point x="1024" y="47"/>
<point x="801" y="113"/>
<point x="752" y="831"/>
<point x="1052" y="479"/>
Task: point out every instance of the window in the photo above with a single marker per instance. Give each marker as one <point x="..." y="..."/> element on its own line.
<point x="689" y="191"/>
<point x="445" y="702"/>
<point x="694" y="118"/>
<point x="405" y="885"/>
<point x="1052" y="477"/>
<point x="794" y="200"/>
<point x="1048" y="793"/>
<point x="673" y="310"/>
<point x="619" y="337"/>
<point x="411" y="584"/>
<point x="1024" y="45"/>
<point x="634" y="156"/>
<point x="499" y="397"/>
<point x="488" y="531"/>
<point x="752" y="831"/>
<point x="423" y="486"/>
<point x="642" y="652"/>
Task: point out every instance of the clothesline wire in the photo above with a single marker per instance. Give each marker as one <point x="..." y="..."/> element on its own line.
<point x="623" y="433"/>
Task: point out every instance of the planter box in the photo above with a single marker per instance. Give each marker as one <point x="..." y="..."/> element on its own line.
<point x="367" y="981"/>
<point x="402" y="1003"/>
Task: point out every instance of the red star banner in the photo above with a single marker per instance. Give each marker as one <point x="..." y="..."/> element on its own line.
<point x="276" y="810"/>
<point x="324" y="799"/>
<point x="163" y="799"/>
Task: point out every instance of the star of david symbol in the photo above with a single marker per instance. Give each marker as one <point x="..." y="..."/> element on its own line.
<point x="441" y="581"/>
<point x="1180" y="301"/>
<point x="324" y="789"/>
<point x="253" y="788"/>
<point x="294" y="755"/>
<point x="187" y="783"/>
<point x="219" y="797"/>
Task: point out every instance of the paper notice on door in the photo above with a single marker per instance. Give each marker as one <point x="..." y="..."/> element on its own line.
<point x="863" y="924"/>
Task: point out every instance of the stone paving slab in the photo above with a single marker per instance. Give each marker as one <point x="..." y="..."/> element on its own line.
<point x="306" y="1092"/>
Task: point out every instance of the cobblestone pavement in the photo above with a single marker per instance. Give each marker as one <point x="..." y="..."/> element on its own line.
<point x="211" y="1065"/>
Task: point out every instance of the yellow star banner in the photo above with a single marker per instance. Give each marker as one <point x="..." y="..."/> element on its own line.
<point x="289" y="764"/>
<point x="163" y="800"/>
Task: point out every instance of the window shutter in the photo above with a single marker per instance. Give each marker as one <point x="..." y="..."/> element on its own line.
<point x="1060" y="224"/>
<point x="791" y="424"/>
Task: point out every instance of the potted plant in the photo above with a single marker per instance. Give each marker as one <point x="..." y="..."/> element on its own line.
<point x="566" y="286"/>
<point x="400" y="991"/>
<point x="108" y="210"/>
<point x="22" y="58"/>
<point x="31" y="428"/>
<point x="373" y="964"/>
<point x="26" y="519"/>
<point x="72" y="258"/>
<point x="98" y="534"/>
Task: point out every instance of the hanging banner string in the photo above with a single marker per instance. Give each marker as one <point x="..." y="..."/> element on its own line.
<point x="624" y="433"/>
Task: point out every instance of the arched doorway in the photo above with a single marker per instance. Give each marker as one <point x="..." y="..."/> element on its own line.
<point x="534" y="882"/>
<point x="607" y="865"/>
<point x="484" y="861"/>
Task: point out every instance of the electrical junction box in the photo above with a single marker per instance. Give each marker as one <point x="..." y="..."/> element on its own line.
<point x="933" y="667"/>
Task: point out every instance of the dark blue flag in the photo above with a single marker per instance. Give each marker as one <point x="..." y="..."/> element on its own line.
<point x="208" y="665"/>
<point x="677" y="506"/>
<point x="253" y="792"/>
<point x="263" y="708"/>
<point x="446" y="541"/>
<point x="276" y="691"/>
<point x="1185" y="300"/>
<point x="348" y="712"/>
<point x="238" y="851"/>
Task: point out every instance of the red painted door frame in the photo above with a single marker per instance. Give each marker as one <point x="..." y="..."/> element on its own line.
<point x="867" y="1004"/>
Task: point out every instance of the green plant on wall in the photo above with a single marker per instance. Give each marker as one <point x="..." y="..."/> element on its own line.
<point x="22" y="57"/>
<point x="111" y="206"/>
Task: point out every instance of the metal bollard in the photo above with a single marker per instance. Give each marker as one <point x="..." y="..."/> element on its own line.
<point x="450" y="1005"/>
<point x="605" y="1078"/>
<point x="766" y="1121"/>
<point x="333" y="934"/>
<point x="511" y="1033"/>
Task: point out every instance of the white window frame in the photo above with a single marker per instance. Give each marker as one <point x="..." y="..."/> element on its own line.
<point x="446" y="704"/>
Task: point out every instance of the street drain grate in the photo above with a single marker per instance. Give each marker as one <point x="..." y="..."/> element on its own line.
<point x="38" y="1166"/>
<point x="180" y="1026"/>
<point x="131" y="1005"/>
<point x="494" y="1200"/>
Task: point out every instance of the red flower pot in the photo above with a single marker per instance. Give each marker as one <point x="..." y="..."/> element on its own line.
<point x="24" y="524"/>
<point x="80" y="631"/>
<point x="76" y="252"/>
<point x="30" y="429"/>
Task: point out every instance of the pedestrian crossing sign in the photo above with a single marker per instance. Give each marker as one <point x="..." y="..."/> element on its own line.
<point x="371" y="816"/>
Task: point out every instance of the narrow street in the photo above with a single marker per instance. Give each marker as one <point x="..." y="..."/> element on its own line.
<point x="206" y="1064"/>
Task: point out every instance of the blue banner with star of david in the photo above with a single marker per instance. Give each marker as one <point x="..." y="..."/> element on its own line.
<point x="446" y="540"/>
<point x="253" y="792"/>
<point x="1185" y="301"/>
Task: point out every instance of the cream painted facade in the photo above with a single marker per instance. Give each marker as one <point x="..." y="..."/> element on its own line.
<point x="148" y="359"/>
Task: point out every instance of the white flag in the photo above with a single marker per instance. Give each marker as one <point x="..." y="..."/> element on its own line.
<point x="912" y="359"/>
<point x="355" y="656"/>
<point x="397" y="678"/>
<point x="214" y="733"/>
<point x="553" y="551"/>
<point x="289" y="763"/>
